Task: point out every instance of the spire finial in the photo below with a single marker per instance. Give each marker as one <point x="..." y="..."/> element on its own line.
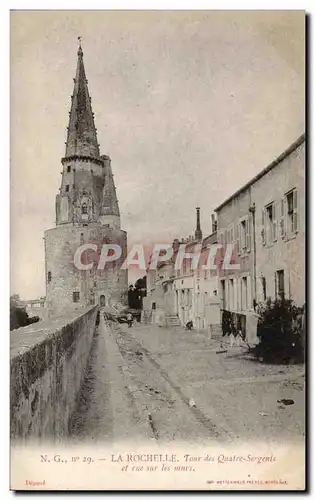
<point x="80" y="51"/>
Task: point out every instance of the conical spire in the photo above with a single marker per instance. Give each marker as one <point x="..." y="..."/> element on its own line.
<point x="110" y="203"/>
<point x="81" y="139"/>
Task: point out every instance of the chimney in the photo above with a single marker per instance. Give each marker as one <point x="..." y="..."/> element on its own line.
<point x="214" y="223"/>
<point x="198" y="232"/>
<point x="175" y="244"/>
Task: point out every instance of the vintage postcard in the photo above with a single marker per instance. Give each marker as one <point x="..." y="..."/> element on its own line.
<point x="157" y="304"/>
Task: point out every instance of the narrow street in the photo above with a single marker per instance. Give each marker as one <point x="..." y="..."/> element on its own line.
<point x="171" y="385"/>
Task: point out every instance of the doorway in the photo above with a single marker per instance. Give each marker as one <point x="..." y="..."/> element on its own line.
<point x="102" y="301"/>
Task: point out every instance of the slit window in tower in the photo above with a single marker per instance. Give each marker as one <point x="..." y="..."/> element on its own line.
<point x="84" y="208"/>
<point x="68" y="168"/>
<point x="49" y="276"/>
<point x="67" y="188"/>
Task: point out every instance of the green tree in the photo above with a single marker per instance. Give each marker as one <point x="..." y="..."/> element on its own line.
<point x="279" y="331"/>
<point x="18" y="314"/>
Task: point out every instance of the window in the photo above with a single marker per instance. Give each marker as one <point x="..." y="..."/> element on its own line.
<point x="76" y="296"/>
<point x="68" y="168"/>
<point x="49" y="276"/>
<point x="223" y="293"/>
<point x="280" y="284"/>
<point x="291" y="215"/>
<point x="67" y="188"/>
<point x="84" y="209"/>
<point x="244" y="239"/>
<point x="264" y="287"/>
<point x="268" y="224"/>
<point x="271" y="223"/>
<point x="153" y="306"/>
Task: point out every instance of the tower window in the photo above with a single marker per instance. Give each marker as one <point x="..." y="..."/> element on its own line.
<point x="68" y="168"/>
<point x="84" y="208"/>
<point x="76" y="296"/>
<point x="67" y="188"/>
<point x="49" y="276"/>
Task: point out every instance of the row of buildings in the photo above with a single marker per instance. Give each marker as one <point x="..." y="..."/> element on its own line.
<point x="264" y="221"/>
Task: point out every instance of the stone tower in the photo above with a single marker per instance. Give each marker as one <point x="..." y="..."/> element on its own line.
<point x="87" y="212"/>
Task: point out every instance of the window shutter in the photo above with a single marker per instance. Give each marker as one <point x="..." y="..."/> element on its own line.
<point x="247" y="235"/>
<point x="228" y="294"/>
<point x="249" y="293"/>
<point x="235" y="294"/>
<point x="238" y="294"/>
<point x="263" y="229"/>
<point x="222" y="243"/>
<point x="274" y="222"/>
<point x="295" y="218"/>
<point x="282" y="218"/>
<point x="238" y="249"/>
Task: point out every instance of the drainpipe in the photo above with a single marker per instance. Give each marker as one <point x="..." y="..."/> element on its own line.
<point x="252" y="210"/>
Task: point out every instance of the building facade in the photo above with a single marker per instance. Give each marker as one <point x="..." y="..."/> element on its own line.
<point x="87" y="213"/>
<point x="189" y="292"/>
<point x="265" y="222"/>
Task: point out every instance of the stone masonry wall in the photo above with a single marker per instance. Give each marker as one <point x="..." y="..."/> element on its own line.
<point x="48" y="362"/>
<point x="61" y="244"/>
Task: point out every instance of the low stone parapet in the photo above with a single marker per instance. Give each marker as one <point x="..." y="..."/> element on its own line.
<point x="48" y="363"/>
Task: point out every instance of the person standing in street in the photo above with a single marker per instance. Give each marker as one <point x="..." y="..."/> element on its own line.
<point x="129" y="320"/>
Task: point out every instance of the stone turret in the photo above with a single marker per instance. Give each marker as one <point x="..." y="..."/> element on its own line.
<point x="87" y="212"/>
<point x="110" y="214"/>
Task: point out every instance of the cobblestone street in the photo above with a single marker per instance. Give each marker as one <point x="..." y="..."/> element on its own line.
<point x="166" y="385"/>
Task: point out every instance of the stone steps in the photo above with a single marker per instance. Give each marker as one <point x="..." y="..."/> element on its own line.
<point x="172" y="320"/>
<point x="216" y="331"/>
<point x="147" y="317"/>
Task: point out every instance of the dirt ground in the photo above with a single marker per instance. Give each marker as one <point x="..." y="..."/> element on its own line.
<point x="171" y="385"/>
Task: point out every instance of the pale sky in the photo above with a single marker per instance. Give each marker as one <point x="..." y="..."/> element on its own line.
<point x="189" y="106"/>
